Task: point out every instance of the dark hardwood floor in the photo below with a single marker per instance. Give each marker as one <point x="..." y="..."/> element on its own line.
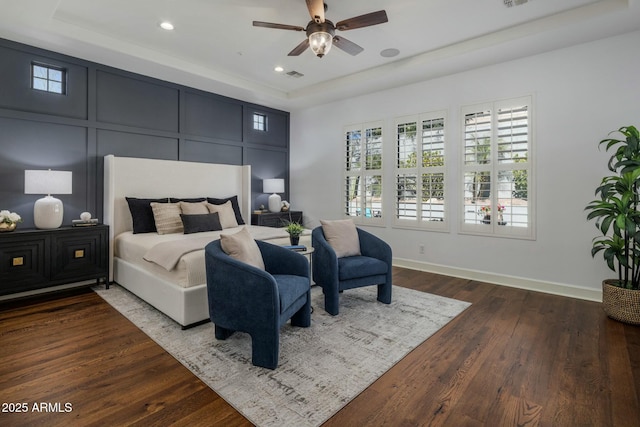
<point x="514" y="358"/>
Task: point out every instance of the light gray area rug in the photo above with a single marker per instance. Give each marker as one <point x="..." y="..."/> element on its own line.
<point x="321" y="368"/>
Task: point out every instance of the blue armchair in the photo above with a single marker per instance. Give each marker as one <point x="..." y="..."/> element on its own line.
<point x="335" y="274"/>
<point x="247" y="299"/>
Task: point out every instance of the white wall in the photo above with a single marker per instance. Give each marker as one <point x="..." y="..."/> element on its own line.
<point x="580" y="94"/>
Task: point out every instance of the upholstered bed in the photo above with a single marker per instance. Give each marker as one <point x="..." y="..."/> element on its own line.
<point x="146" y="263"/>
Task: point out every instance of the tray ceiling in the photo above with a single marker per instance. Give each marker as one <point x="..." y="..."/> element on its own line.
<point x="214" y="46"/>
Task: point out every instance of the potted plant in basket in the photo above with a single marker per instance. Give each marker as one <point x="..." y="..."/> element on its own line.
<point x="295" y="230"/>
<point x="618" y="220"/>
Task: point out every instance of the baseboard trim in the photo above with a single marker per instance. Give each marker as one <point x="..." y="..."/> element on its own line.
<point x="43" y="291"/>
<point x="503" y="280"/>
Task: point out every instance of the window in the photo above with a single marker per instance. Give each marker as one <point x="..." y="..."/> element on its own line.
<point x="48" y="78"/>
<point x="260" y="122"/>
<point x="497" y="172"/>
<point x="363" y="173"/>
<point x="420" y="171"/>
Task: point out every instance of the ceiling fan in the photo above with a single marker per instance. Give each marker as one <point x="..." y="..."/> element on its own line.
<point x="321" y="32"/>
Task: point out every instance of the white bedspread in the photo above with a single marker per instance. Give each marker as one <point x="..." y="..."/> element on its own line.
<point x="168" y="254"/>
<point x="185" y="267"/>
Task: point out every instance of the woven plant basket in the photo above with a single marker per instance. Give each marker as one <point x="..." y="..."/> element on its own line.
<point x="621" y="304"/>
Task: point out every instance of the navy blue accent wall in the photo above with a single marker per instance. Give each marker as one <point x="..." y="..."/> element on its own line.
<point x="110" y="111"/>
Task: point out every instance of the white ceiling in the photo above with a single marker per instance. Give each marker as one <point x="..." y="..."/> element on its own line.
<point x="214" y="46"/>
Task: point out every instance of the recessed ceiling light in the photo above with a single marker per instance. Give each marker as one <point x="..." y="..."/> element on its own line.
<point x="166" y="25"/>
<point x="278" y="69"/>
<point x="389" y="53"/>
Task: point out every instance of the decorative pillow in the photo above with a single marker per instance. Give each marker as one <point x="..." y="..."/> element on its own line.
<point x="142" y="214"/>
<point x="200" y="222"/>
<point x="188" y="200"/>
<point x="167" y="217"/>
<point x="234" y="203"/>
<point x="342" y="235"/>
<point x="242" y="247"/>
<point x="227" y="217"/>
<point x="190" y="208"/>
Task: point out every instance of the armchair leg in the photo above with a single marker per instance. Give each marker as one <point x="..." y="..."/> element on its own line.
<point x="332" y="302"/>
<point x="384" y="293"/>
<point x="302" y="317"/>
<point x="265" y="349"/>
<point x="223" y="333"/>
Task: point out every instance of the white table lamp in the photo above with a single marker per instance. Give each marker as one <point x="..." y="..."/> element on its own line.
<point x="274" y="186"/>
<point x="48" y="211"/>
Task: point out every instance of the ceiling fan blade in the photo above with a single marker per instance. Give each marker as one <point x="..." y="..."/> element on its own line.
<point x="316" y="10"/>
<point x="348" y="46"/>
<point x="373" y="18"/>
<point x="300" y="48"/>
<point x="277" y="26"/>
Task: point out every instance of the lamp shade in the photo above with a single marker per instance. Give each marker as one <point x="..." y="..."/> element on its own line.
<point x="275" y="185"/>
<point x="47" y="182"/>
<point x="47" y="211"/>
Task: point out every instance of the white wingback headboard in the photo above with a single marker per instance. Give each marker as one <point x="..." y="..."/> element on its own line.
<point x="151" y="178"/>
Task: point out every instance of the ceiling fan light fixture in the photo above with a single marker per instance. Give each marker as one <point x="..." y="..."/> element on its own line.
<point x="320" y="32"/>
<point x="320" y="37"/>
<point x="320" y="43"/>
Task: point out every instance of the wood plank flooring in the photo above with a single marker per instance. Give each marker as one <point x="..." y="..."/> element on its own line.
<point x="514" y="358"/>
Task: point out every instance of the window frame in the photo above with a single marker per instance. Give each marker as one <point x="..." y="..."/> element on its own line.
<point x="63" y="79"/>
<point x="259" y="120"/>
<point x="495" y="168"/>
<point x="362" y="174"/>
<point x="418" y="172"/>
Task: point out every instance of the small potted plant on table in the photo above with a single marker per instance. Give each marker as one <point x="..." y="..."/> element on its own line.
<point x="295" y="230"/>
<point x="618" y="220"/>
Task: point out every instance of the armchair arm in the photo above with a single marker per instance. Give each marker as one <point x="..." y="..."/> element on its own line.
<point x="374" y="247"/>
<point x="325" y="261"/>
<point x="279" y="260"/>
<point x="239" y="293"/>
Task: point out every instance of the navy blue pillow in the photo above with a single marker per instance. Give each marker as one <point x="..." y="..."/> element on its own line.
<point x="192" y="200"/>
<point x="142" y="214"/>
<point x="234" y="204"/>
<point x="201" y="222"/>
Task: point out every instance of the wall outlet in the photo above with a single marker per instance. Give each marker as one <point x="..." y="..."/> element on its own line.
<point x="421" y="249"/>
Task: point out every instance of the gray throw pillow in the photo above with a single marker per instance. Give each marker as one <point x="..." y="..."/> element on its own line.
<point x="225" y="211"/>
<point x="167" y="217"/>
<point x="196" y="208"/>
<point x="242" y="247"/>
<point x="342" y="236"/>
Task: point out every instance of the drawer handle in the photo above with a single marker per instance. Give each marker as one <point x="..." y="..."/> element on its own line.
<point x="79" y="253"/>
<point x="17" y="261"/>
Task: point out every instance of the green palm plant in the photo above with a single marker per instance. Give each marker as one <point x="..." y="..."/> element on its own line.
<point x="616" y="209"/>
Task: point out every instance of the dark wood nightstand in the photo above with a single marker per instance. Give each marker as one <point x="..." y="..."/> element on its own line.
<point x="276" y="219"/>
<point x="33" y="259"/>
